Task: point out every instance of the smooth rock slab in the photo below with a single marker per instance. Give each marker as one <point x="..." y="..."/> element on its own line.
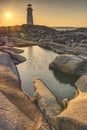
<point x="12" y="118"/>
<point x="47" y="102"/>
<point x="69" y="64"/>
<point x="74" y="117"/>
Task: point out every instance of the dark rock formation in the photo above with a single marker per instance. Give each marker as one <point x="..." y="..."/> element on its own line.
<point x="70" y="64"/>
<point x="14" y="54"/>
<point x="59" y="41"/>
<point x="43" y="34"/>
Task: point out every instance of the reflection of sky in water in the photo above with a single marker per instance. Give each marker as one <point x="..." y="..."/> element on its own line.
<point x="37" y="65"/>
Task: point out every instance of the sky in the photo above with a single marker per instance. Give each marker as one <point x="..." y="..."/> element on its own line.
<point x="45" y="12"/>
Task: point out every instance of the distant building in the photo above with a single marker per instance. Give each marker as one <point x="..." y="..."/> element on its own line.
<point x="29" y="14"/>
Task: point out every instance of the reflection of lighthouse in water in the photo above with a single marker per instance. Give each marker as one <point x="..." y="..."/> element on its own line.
<point x="29" y="14"/>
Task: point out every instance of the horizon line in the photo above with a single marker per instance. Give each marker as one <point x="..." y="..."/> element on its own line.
<point x="47" y="26"/>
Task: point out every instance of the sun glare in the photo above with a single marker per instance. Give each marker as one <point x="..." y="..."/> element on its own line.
<point x="8" y="15"/>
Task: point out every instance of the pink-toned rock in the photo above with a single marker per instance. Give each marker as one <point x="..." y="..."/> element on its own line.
<point x="16" y="108"/>
<point x="74" y="117"/>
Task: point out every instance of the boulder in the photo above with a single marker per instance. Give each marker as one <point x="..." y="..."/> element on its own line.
<point x="81" y="83"/>
<point x="69" y="64"/>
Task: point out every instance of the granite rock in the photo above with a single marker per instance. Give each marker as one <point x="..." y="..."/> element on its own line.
<point x="47" y="102"/>
<point x="69" y="64"/>
<point x="16" y="108"/>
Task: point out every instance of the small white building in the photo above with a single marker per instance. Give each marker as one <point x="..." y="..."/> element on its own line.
<point x="29" y="14"/>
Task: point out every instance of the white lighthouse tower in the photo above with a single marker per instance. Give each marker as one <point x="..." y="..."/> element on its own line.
<point x="29" y="14"/>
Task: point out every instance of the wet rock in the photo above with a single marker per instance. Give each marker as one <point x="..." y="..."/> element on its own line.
<point x="69" y="64"/>
<point x="81" y="83"/>
<point x="13" y="52"/>
<point x="16" y="58"/>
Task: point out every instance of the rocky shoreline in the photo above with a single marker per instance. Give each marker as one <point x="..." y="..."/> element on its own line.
<point x="17" y="111"/>
<point x="44" y="111"/>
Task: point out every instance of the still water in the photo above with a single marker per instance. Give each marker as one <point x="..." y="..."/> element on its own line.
<point x="37" y="65"/>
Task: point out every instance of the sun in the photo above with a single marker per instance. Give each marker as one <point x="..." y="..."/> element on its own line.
<point x="8" y="15"/>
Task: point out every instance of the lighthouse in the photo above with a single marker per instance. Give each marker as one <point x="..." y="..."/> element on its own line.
<point x="29" y="14"/>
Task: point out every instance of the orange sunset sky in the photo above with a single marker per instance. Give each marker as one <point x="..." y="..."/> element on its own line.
<point x="46" y="12"/>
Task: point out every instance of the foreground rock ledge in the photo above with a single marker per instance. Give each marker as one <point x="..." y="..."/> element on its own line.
<point x="17" y="112"/>
<point x="74" y="117"/>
